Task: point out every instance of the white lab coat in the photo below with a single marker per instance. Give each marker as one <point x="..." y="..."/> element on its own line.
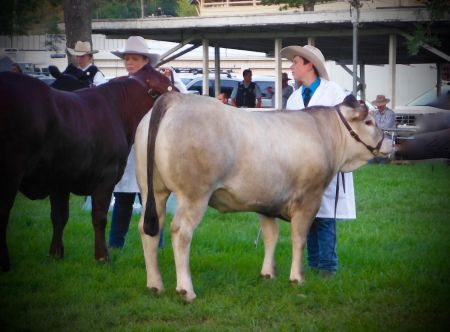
<point x="128" y="182"/>
<point x="329" y="94"/>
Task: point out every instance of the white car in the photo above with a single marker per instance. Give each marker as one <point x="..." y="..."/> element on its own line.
<point x="428" y="103"/>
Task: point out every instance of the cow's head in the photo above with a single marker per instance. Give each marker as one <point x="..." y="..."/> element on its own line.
<point x="156" y="82"/>
<point x="364" y="139"/>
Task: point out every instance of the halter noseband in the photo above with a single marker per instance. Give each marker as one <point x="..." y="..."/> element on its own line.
<point x="150" y="92"/>
<point x="373" y="150"/>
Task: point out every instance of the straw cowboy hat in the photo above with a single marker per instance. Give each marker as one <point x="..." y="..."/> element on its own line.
<point x="81" y="48"/>
<point x="137" y="45"/>
<point x="310" y="53"/>
<point x="381" y="100"/>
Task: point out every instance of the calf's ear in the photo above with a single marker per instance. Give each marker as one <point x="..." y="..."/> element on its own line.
<point x="354" y="110"/>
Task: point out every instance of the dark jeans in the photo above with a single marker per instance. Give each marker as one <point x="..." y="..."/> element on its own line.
<point x="321" y="244"/>
<point x="121" y="217"/>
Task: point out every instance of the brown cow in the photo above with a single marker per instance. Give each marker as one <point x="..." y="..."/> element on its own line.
<point x="275" y="163"/>
<point x="53" y="143"/>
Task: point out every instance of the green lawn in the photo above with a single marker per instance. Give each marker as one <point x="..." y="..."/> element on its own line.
<point x="394" y="272"/>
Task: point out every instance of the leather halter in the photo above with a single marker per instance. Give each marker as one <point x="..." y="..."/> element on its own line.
<point x="150" y="92"/>
<point x="373" y="150"/>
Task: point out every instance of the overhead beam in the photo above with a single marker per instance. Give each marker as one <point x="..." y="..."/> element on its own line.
<point x="177" y="47"/>
<point x="173" y="57"/>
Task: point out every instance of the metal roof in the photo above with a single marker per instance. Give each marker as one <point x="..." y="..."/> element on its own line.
<point x="332" y="31"/>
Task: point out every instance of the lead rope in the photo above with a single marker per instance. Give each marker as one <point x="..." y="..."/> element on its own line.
<point x="336" y="198"/>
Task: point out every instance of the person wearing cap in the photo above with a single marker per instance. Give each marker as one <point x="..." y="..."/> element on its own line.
<point x="384" y="116"/>
<point x="135" y="55"/>
<point x="246" y="93"/>
<point x="308" y="68"/>
<point x="286" y="91"/>
<point x="83" y="53"/>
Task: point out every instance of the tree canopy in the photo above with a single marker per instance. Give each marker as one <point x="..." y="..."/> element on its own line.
<point x="40" y="16"/>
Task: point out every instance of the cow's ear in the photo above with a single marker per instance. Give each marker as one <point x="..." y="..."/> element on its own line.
<point x="362" y="110"/>
<point x="350" y="101"/>
<point x="356" y="112"/>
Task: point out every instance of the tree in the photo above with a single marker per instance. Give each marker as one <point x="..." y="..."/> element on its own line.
<point x="16" y="16"/>
<point x="423" y="33"/>
<point x="77" y="19"/>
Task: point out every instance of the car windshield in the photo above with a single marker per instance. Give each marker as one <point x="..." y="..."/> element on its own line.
<point x="430" y="98"/>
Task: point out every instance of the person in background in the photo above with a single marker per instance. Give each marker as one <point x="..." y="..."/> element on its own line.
<point x="286" y="91"/>
<point x="15" y="68"/>
<point x="223" y="98"/>
<point x="308" y="68"/>
<point x="246" y="93"/>
<point x="171" y="74"/>
<point x="84" y="59"/>
<point x="384" y="116"/>
<point x="385" y="120"/>
<point x="135" y="55"/>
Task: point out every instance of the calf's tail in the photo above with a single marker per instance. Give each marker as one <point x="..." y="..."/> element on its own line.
<point x="151" y="223"/>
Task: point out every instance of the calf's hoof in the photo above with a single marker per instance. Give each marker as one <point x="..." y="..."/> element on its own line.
<point x="56" y="252"/>
<point x="102" y="258"/>
<point x="156" y="291"/>
<point x="186" y="296"/>
<point x="267" y="276"/>
<point x="297" y="281"/>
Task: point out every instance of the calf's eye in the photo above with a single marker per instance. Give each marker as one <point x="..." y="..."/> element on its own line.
<point x="369" y="122"/>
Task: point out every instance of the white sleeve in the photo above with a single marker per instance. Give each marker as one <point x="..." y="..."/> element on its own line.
<point x="99" y="78"/>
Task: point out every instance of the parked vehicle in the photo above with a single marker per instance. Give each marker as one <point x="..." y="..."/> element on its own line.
<point x="428" y="103"/>
<point x="227" y="85"/>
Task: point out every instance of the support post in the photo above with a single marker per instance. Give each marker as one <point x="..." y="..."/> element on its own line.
<point x="278" y="87"/>
<point x="362" y="75"/>
<point x="392" y="67"/>
<point x="217" y="70"/>
<point x="355" y="22"/>
<point x="438" y="79"/>
<point x="205" y="85"/>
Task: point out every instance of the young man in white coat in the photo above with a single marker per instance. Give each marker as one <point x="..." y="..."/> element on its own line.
<point x="308" y="68"/>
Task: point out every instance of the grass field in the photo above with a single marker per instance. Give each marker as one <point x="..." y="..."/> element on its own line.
<point x="394" y="272"/>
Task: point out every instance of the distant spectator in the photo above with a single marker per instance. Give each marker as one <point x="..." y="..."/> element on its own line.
<point x="286" y="91"/>
<point x="384" y="116"/>
<point x="223" y="97"/>
<point x="173" y="76"/>
<point x="84" y="58"/>
<point x="246" y="93"/>
<point x="15" y="68"/>
<point x="385" y="120"/>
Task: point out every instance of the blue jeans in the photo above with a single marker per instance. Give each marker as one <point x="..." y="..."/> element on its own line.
<point x="121" y="218"/>
<point x="321" y="244"/>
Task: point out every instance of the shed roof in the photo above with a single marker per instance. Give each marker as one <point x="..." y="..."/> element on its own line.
<point x="332" y="31"/>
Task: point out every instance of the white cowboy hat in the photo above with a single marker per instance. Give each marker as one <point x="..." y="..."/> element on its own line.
<point x="381" y="100"/>
<point x="81" y="48"/>
<point x="137" y="45"/>
<point x="310" y="53"/>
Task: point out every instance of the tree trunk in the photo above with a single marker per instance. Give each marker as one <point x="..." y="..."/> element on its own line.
<point x="77" y="20"/>
<point x="308" y="7"/>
